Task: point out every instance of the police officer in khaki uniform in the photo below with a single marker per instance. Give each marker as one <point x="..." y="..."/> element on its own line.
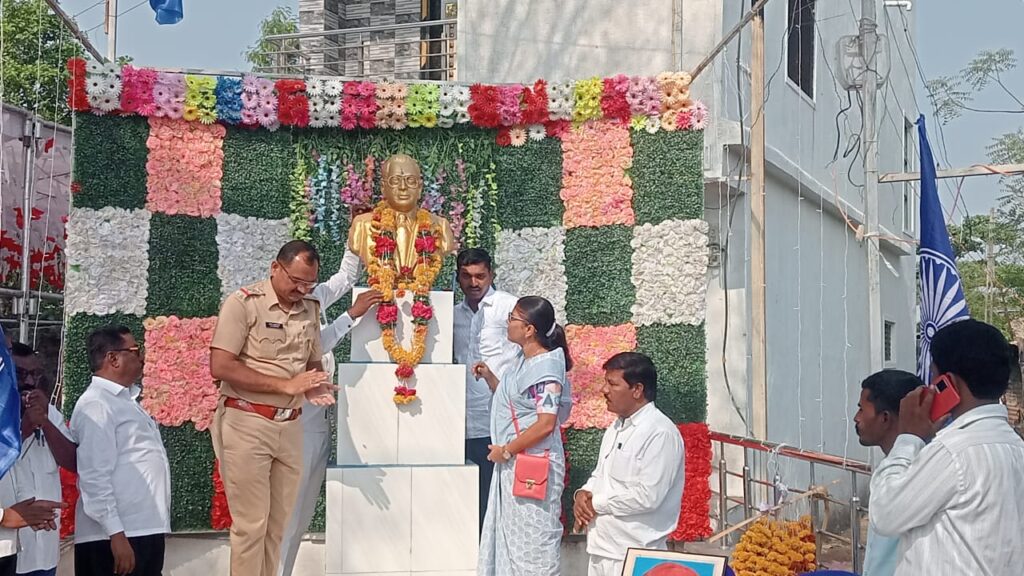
<point x="266" y="354"/>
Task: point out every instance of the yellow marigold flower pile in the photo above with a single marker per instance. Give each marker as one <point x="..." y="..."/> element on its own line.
<point x="773" y="548"/>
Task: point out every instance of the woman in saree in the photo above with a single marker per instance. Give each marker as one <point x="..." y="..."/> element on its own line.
<point x="522" y="533"/>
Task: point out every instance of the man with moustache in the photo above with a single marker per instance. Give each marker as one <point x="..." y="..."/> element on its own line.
<point x="632" y="499"/>
<point x="877" y="423"/>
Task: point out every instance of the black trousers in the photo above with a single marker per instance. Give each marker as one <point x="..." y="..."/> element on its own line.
<point x="9" y="565"/>
<point x="96" y="559"/>
<point x="476" y="452"/>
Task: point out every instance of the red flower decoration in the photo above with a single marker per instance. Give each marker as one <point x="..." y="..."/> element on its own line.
<point x="613" y="100"/>
<point x="387" y="313"/>
<point x="69" y="495"/>
<point x="426" y="244"/>
<point x="292" y="104"/>
<point x="220" y="516"/>
<point x="422" y="311"/>
<point x="535" y="102"/>
<point x="404" y="371"/>
<point x="78" y="98"/>
<point x="483" y="107"/>
<point x="504" y="137"/>
<point x="694" y="520"/>
<point x="76" y="187"/>
<point x="384" y="245"/>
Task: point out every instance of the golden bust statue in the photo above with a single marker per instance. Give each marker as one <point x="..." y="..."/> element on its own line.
<point x="402" y="185"/>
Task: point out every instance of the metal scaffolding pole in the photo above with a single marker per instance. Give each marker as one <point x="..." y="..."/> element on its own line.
<point x="28" y="140"/>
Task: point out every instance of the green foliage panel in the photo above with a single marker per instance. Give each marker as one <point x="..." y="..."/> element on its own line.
<point x="529" y="184"/>
<point x="183" y="260"/>
<point x="598" y="263"/>
<point x="583" y="447"/>
<point x="77" y="374"/>
<point x="111" y="166"/>
<point x="668" y="176"/>
<point x="190" y="453"/>
<point x="679" y="353"/>
<point x="257" y="165"/>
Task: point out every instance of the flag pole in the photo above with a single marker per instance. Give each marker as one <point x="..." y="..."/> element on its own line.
<point x="111" y="28"/>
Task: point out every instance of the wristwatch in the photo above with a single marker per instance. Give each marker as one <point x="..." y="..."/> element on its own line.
<point x="505" y="453"/>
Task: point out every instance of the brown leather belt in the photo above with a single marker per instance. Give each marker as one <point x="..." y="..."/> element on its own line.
<point x="269" y="412"/>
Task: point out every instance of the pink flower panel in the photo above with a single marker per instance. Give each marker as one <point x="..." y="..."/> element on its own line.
<point x="176" y="382"/>
<point x="595" y="187"/>
<point x="184" y="167"/>
<point x="591" y="347"/>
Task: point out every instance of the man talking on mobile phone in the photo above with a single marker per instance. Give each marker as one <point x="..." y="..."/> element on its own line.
<point x="955" y="497"/>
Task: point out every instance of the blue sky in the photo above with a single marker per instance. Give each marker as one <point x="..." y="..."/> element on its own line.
<point x="215" y="32"/>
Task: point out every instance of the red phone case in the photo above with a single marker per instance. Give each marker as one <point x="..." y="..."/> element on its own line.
<point x="946" y="398"/>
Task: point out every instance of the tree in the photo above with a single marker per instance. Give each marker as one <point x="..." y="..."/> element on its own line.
<point x="267" y="53"/>
<point x="35" y="52"/>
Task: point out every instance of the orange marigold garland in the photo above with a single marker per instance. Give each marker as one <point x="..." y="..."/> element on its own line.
<point x="386" y="275"/>
<point x="773" y="548"/>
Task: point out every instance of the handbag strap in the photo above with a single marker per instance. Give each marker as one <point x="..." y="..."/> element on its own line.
<point x="515" y="423"/>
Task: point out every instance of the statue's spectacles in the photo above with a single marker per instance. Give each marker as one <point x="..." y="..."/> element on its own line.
<point x="410" y="181"/>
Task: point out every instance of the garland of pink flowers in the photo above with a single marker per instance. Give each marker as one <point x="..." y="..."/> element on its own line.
<point x="176" y="379"/>
<point x="519" y="112"/>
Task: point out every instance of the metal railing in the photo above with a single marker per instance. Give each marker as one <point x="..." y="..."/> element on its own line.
<point x="752" y="480"/>
<point x="411" y="51"/>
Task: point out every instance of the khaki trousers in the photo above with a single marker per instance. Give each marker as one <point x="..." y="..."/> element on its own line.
<point x="260" y="463"/>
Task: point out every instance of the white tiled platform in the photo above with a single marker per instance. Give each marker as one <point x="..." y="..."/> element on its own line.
<point x="404" y="520"/>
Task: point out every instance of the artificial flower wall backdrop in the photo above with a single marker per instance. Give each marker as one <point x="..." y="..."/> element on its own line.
<point x="589" y="193"/>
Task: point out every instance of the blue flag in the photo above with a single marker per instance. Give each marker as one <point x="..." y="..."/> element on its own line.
<point x="167" y="11"/>
<point x="10" y="410"/>
<point x="942" y="295"/>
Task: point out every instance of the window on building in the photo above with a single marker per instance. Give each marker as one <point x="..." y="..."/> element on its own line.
<point x="909" y="188"/>
<point x="800" y="45"/>
<point x="888" y="328"/>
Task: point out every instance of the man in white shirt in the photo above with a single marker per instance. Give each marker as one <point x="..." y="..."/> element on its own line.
<point x="877" y="424"/>
<point x="632" y="499"/>
<point x="956" y="503"/>
<point x="316" y="429"/>
<point x="481" y="335"/>
<point x="124" y="478"/>
<point x="37" y="514"/>
<point x="45" y="444"/>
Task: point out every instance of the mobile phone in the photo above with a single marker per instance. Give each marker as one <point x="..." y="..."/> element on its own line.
<point x="946" y="397"/>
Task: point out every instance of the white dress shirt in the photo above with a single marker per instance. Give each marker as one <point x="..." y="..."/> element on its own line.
<point x="37" y="476"/>
<point x="8" y="497"/>
<point x="482" y="336"/>
<point x="314" y="418"/>
<point x="637" y="485"/>
<point x="124" y="479"/>
<point x="957" y="503"/>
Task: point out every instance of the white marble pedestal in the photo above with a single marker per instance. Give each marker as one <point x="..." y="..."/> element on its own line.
<point x="402" y="500"/>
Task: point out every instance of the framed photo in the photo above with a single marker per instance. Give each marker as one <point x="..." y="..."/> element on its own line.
<point x="641" y="562"/>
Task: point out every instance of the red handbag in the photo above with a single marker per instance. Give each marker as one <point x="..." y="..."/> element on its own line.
<point x="530" y="472"/>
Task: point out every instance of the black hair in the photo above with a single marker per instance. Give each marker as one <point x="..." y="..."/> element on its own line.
<point x="636" y="369"/>
<point x="471" y="256"/>
<point x="103" y="341"/>
<point x="976" y="352"/>
<point x="296" y="248"/>
<point x="21" y="350"/>
<point x="887" y="388"/>
<point x="541" y="315"/>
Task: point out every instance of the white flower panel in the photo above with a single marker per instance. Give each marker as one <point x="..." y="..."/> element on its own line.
<point x="531" y="262"/>
<point x="670" y="262"/>
<point x="246" y="247"/>
<point x="108" y="261"/>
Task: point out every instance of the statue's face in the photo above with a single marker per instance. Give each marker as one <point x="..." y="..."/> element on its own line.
<point x="402" y="183"/>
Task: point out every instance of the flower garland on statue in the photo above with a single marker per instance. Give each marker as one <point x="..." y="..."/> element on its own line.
<point x="386" y="276"/>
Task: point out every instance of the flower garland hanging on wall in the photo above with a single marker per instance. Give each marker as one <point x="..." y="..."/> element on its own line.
<point x="386" y="276"/>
